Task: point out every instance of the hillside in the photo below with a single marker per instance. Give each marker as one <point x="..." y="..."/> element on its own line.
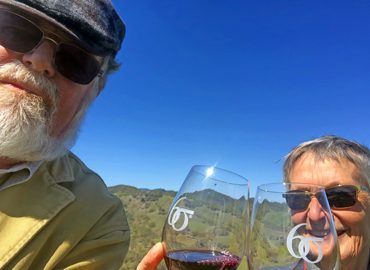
<point x="146" y="211"/>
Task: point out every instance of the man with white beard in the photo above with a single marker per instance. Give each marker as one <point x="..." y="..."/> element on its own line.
<point x="55" y="213"/>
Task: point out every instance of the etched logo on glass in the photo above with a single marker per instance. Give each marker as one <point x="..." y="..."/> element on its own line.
<point x="304" y="245"/>
<point x="175" y="215"/>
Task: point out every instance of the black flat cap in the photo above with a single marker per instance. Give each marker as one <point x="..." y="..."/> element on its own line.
<point x="95" y="23"/>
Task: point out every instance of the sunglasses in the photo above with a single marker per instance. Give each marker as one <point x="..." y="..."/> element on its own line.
<point x="21" y="35"/>
<point x="339" y="197"/>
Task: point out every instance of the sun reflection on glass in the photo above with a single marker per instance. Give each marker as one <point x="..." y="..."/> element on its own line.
<point x="210" y="171"/>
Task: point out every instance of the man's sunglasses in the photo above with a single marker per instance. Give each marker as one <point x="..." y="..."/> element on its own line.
<point x="339" y="197"/>
<point x="21" y="35"/>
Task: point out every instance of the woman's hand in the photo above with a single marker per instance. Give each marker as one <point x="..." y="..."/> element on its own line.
<point x="152" y="258"/>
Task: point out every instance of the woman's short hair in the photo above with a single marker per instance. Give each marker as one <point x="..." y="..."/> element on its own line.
<point x="333" y="148"/>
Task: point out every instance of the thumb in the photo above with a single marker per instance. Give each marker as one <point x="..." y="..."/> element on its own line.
<point x="152" y="258"/>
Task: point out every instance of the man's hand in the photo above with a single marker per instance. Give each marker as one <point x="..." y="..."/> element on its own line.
<point x="152" y="258"/>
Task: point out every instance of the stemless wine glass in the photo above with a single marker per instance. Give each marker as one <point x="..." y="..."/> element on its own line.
<point x="292" y="228"/>
<point x="207" y="222"/>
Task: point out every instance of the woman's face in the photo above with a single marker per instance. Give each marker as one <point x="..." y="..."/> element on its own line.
<point x="353" y="223"/>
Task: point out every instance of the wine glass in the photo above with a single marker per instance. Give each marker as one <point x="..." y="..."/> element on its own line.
<point x="292" y="228"/>
<point x="207" y="222"/>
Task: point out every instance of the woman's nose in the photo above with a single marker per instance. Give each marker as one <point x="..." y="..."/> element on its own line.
<point x="40" y="59"/>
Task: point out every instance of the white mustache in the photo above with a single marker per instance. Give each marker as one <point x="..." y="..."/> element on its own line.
<point x="16" y="72"/>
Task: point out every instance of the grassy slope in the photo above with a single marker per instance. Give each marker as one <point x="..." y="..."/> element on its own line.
<point x="146" y="211"/>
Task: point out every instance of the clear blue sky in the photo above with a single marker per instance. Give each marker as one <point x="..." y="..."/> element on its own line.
<point x="234" y="83"/>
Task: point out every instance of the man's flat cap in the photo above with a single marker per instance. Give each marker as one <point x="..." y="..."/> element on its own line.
<point x="95" y="23"/>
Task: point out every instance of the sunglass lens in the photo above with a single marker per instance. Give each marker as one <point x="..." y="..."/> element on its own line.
<point x="17" y="33"/>
<point x="75" y="64"/>
<point x="297" y="200"/>
<point x="340" y="197"/>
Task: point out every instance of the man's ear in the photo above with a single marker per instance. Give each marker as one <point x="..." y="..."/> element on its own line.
<point x="101" y="84"/>
<point x="103" y="77"/>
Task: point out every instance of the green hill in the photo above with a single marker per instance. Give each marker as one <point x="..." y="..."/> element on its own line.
<point x="146" y="211"/>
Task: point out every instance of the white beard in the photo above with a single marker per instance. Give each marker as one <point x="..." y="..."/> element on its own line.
<point x="26" y="118"/>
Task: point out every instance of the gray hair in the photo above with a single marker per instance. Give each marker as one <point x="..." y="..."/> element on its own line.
<point x="109" y="67"/>
<point x="334" y="148"/>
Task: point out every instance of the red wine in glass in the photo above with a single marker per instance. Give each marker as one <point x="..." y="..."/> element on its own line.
<point x="201" y="260"/>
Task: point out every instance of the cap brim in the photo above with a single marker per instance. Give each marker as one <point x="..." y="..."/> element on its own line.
<point x="42" y="16"/>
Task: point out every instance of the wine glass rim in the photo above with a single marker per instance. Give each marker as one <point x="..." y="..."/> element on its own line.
<point x="264" y="187"/>
<point x="244" y="183"/>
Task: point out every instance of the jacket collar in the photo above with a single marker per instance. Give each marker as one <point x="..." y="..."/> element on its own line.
<point x="60" y="169"/>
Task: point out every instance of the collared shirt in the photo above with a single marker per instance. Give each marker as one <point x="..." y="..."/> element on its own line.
<point x="17" y="174"/>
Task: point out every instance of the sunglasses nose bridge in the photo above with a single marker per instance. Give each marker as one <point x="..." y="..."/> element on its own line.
<point x="46" y="38"/>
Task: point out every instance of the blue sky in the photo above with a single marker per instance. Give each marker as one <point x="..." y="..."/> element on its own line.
<point x="235" y="84"/>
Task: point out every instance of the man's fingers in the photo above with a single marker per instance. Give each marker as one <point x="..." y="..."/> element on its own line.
<point x="152" y="258"/>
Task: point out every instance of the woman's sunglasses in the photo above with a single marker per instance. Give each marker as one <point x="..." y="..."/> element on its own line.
<point x="21" y="35"/>
<point x="339" y="197"/>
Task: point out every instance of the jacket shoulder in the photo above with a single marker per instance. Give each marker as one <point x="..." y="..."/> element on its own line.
<point x="71" y="173"/>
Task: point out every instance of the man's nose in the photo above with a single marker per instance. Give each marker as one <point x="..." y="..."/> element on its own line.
<point x="315" y="210"/>
<point x="40" y="59"/>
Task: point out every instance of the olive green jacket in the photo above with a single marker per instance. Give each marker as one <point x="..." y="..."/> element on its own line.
<point x="62" y="218"/>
